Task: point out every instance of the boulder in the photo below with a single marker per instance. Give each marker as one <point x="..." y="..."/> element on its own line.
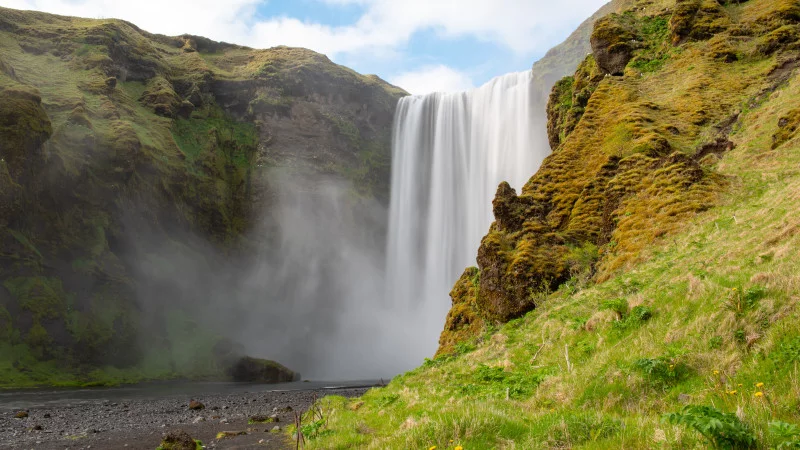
<point x="195" y="405"/>
<point x="178" y="440"/>
<point x="257" y="370"/>
<point x="613" y="42"/>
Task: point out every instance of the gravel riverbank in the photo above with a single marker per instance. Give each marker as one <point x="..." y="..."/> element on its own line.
<point x="139" y="423"/>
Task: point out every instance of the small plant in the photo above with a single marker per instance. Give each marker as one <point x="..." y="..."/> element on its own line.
<point x="722" y="430"/>
<point x="641" y="313"/>
<point x="787" y="435"/>
<point x="664" y="371"/>
<point x="575" y="429"/>
<point x="618" y="305"/>
<point x="464" y="347"/>
<point x="739" y="301"/>
<point x="637" y="316"/>
<point x="316" y="426"/>
<point x="715" y="342"/>
<point x="788" y="352"/>
<point x="582" y="260"/>
<point x="386" y="400"/>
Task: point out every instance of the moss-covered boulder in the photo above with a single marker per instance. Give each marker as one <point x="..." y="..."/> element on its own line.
<point x="613" y="42"/>
<point x="161" y="97"/>
<point x="788" y="127"/>
<point x="179" y="440"/>
<point x="24" y="127"/>
<point x="697" y="20"/>
<point x="256" y="370"/>
<point x="568" y="101"/>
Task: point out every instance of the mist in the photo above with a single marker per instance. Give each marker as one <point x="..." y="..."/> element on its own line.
<point x="307" y="290"/>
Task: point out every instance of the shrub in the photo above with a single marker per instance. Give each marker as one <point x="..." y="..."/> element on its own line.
<point x="663" y="371"/>
<point x="618" y="305"/>
<point x="722" y="430"/>
<point x="786" y="434"/>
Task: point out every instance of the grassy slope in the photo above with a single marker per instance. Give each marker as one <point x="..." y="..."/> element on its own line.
<point x="701" y="316"/>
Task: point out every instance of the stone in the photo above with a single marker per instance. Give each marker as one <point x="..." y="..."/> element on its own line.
<point x="178" y="440"/>
<point x="196" y="406"/>
<point x="21" y="415"/>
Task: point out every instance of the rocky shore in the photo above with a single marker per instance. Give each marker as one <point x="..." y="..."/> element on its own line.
<point x="141" y="423"/>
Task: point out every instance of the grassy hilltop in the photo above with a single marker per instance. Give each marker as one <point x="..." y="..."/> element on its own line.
<point x="111" y="137"/>
<point x="642" y="290"/>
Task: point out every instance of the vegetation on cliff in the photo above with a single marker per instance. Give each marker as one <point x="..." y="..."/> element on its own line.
<point x="641" y="291"/>
<point x="113" y="139"/>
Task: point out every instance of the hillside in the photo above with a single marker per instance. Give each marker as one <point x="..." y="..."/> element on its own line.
<point x="642" y="289"/>
<point x="119" y="149"/>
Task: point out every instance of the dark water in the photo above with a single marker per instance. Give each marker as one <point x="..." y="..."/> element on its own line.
<point x="15" y="400"/>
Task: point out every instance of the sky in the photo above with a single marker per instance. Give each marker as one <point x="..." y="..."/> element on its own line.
<point x="420" y="45"/>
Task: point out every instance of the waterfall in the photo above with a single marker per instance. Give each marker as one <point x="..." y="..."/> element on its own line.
<point x="450" y="151"/>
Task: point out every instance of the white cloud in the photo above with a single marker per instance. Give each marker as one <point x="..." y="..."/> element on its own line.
<point x="433" y="79"/>
<point x="229" y="20"/>
<point x="520" y="25"/>
<point x="383" y="30"/>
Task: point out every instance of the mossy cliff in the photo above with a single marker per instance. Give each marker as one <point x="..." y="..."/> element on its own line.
<point x="635" y="133"/>
<point x="110" y="136"/>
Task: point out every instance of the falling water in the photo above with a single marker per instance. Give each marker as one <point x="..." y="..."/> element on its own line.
<point x="450" y="151"/>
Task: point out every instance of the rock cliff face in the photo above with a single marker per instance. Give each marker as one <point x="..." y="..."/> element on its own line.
<point x="635" y="134"/>
<point x="110" y="136"/>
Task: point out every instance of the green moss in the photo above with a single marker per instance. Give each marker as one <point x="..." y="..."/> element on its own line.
<point x="788" y="127"/>
<point x="463" y="322"/>
<point x="161" y="97"/>
<point x="697" y="20"/>
<point x="24" y="126"/>
<point x="44" y="297"/>
<point x="783" y="38"/>
<point x="6" y="325"/>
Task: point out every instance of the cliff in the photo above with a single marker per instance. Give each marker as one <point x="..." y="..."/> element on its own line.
<point x="111" y="136"/>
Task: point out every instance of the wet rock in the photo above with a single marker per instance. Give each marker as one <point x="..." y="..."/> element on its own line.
<point x="196" y="406"/>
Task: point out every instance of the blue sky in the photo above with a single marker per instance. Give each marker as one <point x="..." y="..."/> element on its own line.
<point x="420" y="45"/>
